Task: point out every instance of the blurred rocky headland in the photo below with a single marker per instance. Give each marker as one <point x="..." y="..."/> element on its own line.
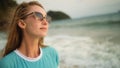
<point x="57" y="15"/>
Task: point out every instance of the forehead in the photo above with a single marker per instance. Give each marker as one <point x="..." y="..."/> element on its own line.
<point x="36" y="8"/>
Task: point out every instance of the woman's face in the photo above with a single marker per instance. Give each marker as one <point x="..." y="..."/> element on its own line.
<point x="36" y="25"/>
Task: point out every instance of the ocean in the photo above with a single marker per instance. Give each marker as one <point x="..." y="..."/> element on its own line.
<point x="92" y="42"/>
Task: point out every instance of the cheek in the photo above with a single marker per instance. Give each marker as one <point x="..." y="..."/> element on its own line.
<point x="32" y="26"/>
<point x="28" y="26"/>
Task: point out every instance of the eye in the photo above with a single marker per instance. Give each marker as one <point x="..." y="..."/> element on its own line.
<point x="39" y="15"/>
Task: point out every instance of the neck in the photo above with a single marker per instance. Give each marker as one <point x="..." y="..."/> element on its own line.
<point x="29" y="47"/>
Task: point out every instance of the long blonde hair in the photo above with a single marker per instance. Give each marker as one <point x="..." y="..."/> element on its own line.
<point x="15" y="32"/>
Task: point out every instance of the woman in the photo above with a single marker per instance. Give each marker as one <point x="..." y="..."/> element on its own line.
<point x="25" y="48"/>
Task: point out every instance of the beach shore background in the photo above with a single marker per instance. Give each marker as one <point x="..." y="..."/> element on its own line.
<point x="92" y="42"/>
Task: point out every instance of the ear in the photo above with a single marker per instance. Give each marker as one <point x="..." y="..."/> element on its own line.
<point x="21" y="24"/>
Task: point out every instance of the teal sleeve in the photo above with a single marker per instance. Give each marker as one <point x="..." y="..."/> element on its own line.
<point x="4" y="64"/>
<point x="7" y="61"/>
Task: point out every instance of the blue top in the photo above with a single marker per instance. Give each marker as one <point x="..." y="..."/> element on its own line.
<point x="47" y="59"/>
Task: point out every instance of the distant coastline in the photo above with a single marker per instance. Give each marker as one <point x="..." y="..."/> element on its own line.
<point x="57" y="15"/>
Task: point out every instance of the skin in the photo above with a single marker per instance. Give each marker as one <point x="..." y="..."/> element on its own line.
<point x="33" y="30"/>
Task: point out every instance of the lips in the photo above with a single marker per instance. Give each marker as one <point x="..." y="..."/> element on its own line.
<point x="43" y="28"/>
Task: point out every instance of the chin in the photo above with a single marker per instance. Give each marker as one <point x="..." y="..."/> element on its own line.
<point x="42" y="35"/>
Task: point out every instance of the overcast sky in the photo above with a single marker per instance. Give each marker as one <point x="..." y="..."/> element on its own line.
<point x="80" y="8"/>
